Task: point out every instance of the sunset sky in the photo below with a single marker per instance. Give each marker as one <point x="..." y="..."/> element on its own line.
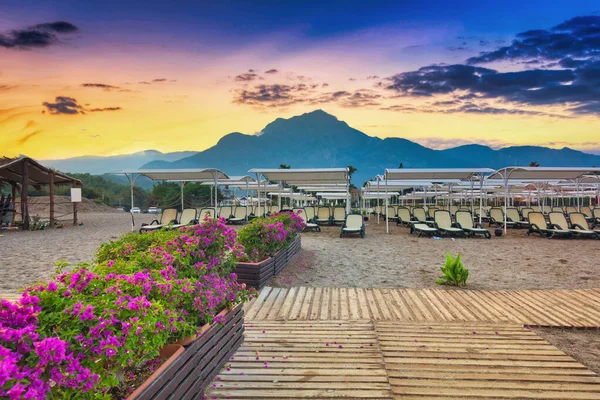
<point x="114" y="77"/>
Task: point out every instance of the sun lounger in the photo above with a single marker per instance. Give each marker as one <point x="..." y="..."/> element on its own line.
<point x="206" y="213"/>
<point x="570" y="210"/>
<point x="403" y="216"/>
<point x="187" y="217"/>
<point x="240" y="216"/>
<point x="558" y="209"/>
<point x="537" y="224"/>
<point x="513" y="216"/>
<point x="353" y="224"/>
<point x="419" y="215"/>
<point x="168" y="217"/>
<point x="497" y="218"/>
<point x="309" y="225"/>
<point x="390" y="213"/>
<point x="226" y="212"/>
<point x="443" y="222"/>
<point x="579" y="226"/>
<point x="431" y="211"/>
<point x="310" y="214"/>
<point x="323" y="215"/>
<point x="587" y="213"/>
<point x="525" y="213"/>
<point x="423" y="229"/>
<point x="464" y="221"/>
<point x="339" y="215"/>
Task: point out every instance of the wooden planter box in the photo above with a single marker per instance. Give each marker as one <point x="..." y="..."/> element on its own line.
<point x="255" y="274"/>
<point x="189" y="374"/>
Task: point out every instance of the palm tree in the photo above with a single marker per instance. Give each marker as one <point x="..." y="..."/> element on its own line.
<point x="534" y="164"/>
<point x="284" y="166"/>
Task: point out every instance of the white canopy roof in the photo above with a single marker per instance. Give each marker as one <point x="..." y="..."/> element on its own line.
<point x="543" y="173"/>
<point x="304" y="176"/>
<point x="435" y="174"/>
<point x="186" y="175"/>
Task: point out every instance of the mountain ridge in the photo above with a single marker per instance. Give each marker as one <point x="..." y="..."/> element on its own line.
<point x="318" y="139"/>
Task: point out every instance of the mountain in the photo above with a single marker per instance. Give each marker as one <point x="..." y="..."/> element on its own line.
<point x="319" y="140"/>
<point x="99" y="165"/>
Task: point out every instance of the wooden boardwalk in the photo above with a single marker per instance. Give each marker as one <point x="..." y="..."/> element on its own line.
<point x="398" y="360"/>
<point x="569" y="308"/>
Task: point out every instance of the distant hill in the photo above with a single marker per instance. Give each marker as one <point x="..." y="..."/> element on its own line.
<point x="318" y="139"/>
<point x="99" y="165"/>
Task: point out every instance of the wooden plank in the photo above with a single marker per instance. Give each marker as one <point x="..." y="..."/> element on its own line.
<point x="325" y="300"/>
<point x="344" y="305"/>
<point x="255" y="309"/>
<point x="268" y="304"/>
<point x="363" y="303"/>
<point x="335" y="303"/>
<point x="306" y="304"/>
<point x="372" y="304"/>
<point x="316" y="307"/>
<point x="382" y="296"/>
<point x="287" y="304"/>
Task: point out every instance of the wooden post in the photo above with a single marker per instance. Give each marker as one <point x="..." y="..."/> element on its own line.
<point x="51" y="184"/>
<point x="74" y="211"/>
<point x="14" y="200"/>
<point x="24" y="192"/>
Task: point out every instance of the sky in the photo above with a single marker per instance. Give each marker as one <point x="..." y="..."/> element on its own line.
<point x="115" y="77"/>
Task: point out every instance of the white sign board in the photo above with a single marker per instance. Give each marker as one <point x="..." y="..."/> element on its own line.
<point x="75" y="195"/>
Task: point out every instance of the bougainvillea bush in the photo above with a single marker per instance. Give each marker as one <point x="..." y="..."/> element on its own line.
<point x="113" y="317"/>
<point x="265" y="236"/>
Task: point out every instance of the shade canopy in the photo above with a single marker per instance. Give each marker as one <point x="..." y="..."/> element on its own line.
<point x="185" y="175"/>
<point x="11" y="170"/>
<point x="543" y="173"/>
<point x="435" y="174"/>
<point x="304" y="176"/>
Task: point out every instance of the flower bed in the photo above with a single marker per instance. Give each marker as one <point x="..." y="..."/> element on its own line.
<point x="270" y="243"/>
<point x="97" y="330"/>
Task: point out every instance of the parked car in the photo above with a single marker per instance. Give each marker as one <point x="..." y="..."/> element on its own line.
<point x="120" y="209"/>
<point x="136" y="210"/>
<point x="154" y="210"/>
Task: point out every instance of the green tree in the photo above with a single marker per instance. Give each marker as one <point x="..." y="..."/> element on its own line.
<point x="284" y="166"/>
<point x="534" y="164"/>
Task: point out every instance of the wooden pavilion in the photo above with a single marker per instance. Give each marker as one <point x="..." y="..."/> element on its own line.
<point x="22" y="172"/>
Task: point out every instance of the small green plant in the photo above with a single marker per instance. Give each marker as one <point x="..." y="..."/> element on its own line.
<point x="454" y="272"/>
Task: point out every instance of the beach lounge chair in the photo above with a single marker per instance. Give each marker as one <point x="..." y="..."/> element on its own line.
<point x="205" y="213"/>
<point x="464" y="221"/>
<point x="587" y="212"/>
<point x="309" y="225"/>
<point x="579" y="226"/>
<point x="338" y="215"/>
<point x="513" y="215"/>
<point x="596" y="215"/>
<point x="537" y="224"/>
<point x="423" y="229"/>
<point x="323" y="215"/>
<point x="169" y="216"/>
<point x="558" y="209"/>
<point x="431" y="211"/>
<point x="353" y="224"/>
<point x="419" y="215"/>
<point x="570" y="210"/>
<point x="497" y="218"/>
<point x="187" y="217"/>
<point x="403" y="216"/>
<point x="240" y="216"/>
<point x="390" y="213"/>
<point x="310" y="214"/>
<point x="226" y="212"/>
<point x="525" y="213"/>
<point x="443" y="222"/>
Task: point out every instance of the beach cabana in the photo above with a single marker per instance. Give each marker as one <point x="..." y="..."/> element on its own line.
<point x="541" y="176"/>
<point x="307" y="177"/>
<point x="174" y="175"/>
<point x="24" y="172"/>
<point x="436" y="175"/>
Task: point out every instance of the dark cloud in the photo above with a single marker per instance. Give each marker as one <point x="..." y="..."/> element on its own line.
<point x="159" y="80"/>
<point x="271" y="71"/>
<point x="459" y="48"/>
<point x="247" y="77"/>
<point x="372" y="77"/>
<point x="484" y="42"/>
<point x="578" y="37"/>
<point x="36" y="36"/>
<point x="64" y="105"/>
<point x="105" y="109"/>
<point x="144" y="83"/>
<point x="101" y="86"/>
<point x="281" y="95"/>
<point x="4" y="88"/>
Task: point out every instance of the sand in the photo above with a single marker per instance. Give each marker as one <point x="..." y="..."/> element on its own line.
<point x="515" y="261"/>
<point x="29" y="257"/>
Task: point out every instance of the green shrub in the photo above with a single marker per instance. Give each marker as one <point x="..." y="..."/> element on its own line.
<point x="454" y="272"/>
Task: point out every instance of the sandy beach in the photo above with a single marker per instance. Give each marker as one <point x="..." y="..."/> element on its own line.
<point x="515" y="261"/>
